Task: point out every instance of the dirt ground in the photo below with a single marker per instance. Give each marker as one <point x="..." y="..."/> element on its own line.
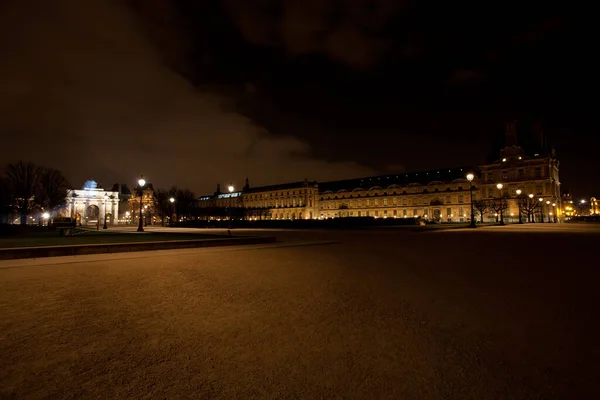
<point x="375" y="314"/>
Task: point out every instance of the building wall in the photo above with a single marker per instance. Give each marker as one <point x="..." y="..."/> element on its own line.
<point x="290" y="203"/>
<point x="435" y="200"/>
<point x="446" y="201"/>
<point x="148" y="212"/>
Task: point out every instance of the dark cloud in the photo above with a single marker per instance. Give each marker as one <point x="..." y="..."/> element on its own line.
<point x="193" y="92"/>
<point x="346" y="30"/>
<point x="465" y="75"/>
<point x="84" y="89"/>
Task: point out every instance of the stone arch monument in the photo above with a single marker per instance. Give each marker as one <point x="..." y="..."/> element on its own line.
<point x="92" y="204"/>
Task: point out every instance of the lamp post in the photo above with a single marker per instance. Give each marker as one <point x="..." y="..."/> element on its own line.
<point x="549" y="212"/>
<point x="554" y="211"/>
<point x="231" y="189"/>
<point x="500" y="186"/>
<point x="171" y="200"/>
<point x="470" y="178"/>
<point x="46" y="217"/>
<point x="105" y="198"/>
<point x="141" y="183"/>
<point x="581" y="203"/>
<point x="127" y="217"/>
<point x="530" y="208"/>
<point x="541" y="209"/>
<point x="519" y="205"/>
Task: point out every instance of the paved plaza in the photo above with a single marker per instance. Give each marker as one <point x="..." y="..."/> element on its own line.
<point x="492" y="313"/>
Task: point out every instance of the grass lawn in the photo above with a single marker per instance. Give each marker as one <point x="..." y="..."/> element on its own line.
<point x="96" y="237"/>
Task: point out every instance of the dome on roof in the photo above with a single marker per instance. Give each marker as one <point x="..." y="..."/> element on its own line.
<point x="90" y="184"/>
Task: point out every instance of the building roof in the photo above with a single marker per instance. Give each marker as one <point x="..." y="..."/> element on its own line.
<point x="446" y="175"/>
<point x="281" y="186"/>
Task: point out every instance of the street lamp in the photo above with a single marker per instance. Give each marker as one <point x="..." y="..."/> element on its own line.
<point x="530" y="208"/>
<point x="231" y="189"/>
<point x="500" y="186"/>
<point x="127" y="217"/>
<point x="172" y="201"/>
<point x="470" y="178"/>
<point x="541" y="209"/>
<point x="555" y="212"/>
<point x="141" y="183"/>
<point x="105" y="198"/>
<point x="519" y="204"/>
<point x="46" y="217"/>
<point x="549" y="213"/>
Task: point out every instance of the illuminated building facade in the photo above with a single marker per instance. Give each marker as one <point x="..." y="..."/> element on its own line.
<point x="92" y="204"/>
<point x="296" y="200"/>
<point x="594" y="207"/>
<point x="568" y="207"/>
<point x="147" y="203"/>
<point x="441" y="195"/>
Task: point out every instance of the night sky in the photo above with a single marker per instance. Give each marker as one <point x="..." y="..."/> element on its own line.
<point x="193" y="93"/>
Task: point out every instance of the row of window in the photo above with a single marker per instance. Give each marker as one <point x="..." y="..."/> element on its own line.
<point x="386" y="202"/>
<point x="511" y="191"/>
<point x="294" y="202"/>
<point x="403" y="213"/>
<point x="513" y="174"/>
<point x="404" y="192"/>
<point x="277" y="194"/>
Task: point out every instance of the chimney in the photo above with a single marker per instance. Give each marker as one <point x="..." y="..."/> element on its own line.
<point x="511" y="134"/>
<point x="539" y="138"/>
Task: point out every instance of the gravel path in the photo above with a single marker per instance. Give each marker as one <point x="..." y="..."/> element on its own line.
<point x="377" y="315"/>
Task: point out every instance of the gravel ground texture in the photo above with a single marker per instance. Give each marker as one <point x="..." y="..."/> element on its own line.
<point x="484" y="314"/>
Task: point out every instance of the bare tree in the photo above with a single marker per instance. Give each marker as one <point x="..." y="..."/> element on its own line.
<point x="23" y="181"/>
<point x="162" y="205"/>
<point x="481" y="206"/>
<point x="531" y="205"/>
<point x="185" y="202"/>
<point x="522" y="205"/>
<point x="6" y="201"/>
<point x="52" y="189"/>
<point x="499" y="206"/>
